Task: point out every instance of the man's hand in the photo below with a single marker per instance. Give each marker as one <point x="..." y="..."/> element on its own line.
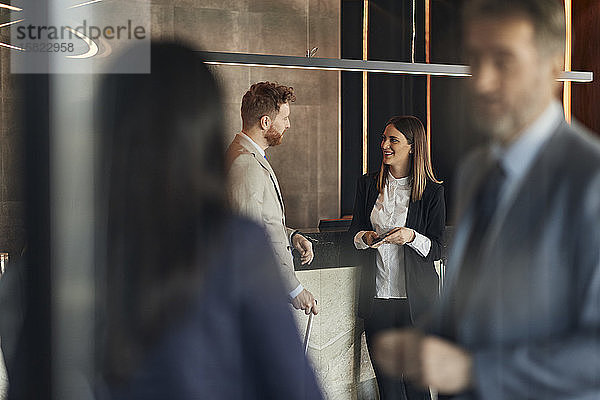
<point x="397" y="353"/>
<point x="305" y="247"/>
<point x="305" y="301"/>
<point x="446" y="367"/>
<point x="402" y="236"/>
<point x="424" y="360"/>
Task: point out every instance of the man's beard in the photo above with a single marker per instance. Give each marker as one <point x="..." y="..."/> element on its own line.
<point x="273" y="137"/>
<point x="516" y="116"/>
<point x="505" y="127"/>
<point x="501" y="128"/>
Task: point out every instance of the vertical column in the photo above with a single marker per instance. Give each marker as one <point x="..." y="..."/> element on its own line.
<point x="568" y="47"/>
<point x="427" y="60"/>
<point x="365" y="87"/>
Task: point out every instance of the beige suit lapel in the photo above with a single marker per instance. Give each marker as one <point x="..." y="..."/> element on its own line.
<point x="266" y="164"/>
<point x="247" y="145"/>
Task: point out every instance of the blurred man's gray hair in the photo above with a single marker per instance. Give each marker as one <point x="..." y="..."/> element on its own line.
<point x="547" y="17"/>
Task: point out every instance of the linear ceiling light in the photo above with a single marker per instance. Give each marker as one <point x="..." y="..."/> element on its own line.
<point x="335" y="64"/>
<point x="9" y="7"/>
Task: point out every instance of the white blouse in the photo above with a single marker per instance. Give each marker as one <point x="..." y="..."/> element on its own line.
<point x="390" y="211"/>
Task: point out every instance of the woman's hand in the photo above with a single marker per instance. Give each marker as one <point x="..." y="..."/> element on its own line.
<point x="402" y="236"/>
<point x="369" y="237"/>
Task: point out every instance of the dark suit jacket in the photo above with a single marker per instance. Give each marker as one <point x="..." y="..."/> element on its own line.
<point x="532" y="320"/>
<point x="426" y="216"/>
<point x="238" y="339"/>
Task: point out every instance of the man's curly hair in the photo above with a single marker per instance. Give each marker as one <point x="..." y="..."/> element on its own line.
<point x="264" y="98"/>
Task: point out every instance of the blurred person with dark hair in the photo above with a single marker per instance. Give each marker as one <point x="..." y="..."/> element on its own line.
<point x="13" y="305"/>
<point x="253" y="187"/>
<point x="190" y="313"/>
<point x="398" y="279"/>
<point x="519" y="316"/>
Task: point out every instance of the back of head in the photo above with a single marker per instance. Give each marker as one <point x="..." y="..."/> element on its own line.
<point x="264" y="98"/>
<point x="547" y="17"/>
<point x="163" y="185"/>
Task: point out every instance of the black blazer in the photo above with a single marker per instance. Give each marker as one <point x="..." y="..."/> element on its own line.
<point x="426" y="216"/>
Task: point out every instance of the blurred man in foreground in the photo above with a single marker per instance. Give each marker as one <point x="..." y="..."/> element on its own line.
<point x="520" y="314"/>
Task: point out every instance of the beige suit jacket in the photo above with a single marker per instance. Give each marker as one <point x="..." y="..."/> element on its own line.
<point x="254" y="192"/>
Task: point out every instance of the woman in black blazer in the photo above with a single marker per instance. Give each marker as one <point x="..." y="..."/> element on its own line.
<point x="405" y="201"/>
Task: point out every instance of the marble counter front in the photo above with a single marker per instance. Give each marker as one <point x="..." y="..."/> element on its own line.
<point x="337" y="348"/>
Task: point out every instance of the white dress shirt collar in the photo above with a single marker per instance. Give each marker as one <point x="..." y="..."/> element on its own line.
<point x="249" y="139"/>
<point x="404" y="182"/>
<point x="518" y="156"/>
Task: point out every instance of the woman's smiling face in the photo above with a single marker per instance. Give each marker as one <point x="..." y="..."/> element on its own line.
<point x="395" y="147"/>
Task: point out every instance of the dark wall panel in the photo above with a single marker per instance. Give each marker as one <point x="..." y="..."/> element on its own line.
<point x="390" y="38"/>
<point x="351" y="97"/>
<point x="586" y="57"/>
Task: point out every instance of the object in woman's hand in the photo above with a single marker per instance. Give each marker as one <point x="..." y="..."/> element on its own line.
<point x="381" y="238"/>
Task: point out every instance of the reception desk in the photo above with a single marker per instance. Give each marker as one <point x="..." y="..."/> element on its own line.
<point x="337" y="348"/>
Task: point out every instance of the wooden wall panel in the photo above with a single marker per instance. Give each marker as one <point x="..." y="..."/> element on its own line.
<point x="586" y="57"/>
